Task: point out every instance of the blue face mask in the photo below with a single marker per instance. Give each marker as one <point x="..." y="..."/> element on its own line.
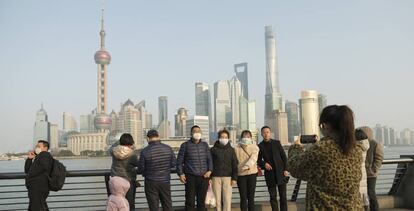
<point x="246" y="141"/>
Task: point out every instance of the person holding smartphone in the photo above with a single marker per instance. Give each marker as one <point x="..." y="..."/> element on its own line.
<point x="37" y="168"/>
<point x="332" y="166"/>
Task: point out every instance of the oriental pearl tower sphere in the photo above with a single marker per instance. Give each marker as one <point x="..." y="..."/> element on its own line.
<point x="102" y="120"/>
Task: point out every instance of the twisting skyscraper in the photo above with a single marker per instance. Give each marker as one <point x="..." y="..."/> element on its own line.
<point x="273" y="97"/>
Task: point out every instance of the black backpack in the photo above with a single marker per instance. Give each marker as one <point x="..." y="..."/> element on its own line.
<point x="57" y="175"/>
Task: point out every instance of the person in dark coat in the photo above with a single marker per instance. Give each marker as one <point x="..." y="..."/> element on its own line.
<point x="37" y="168"/>
<point x="124" y="163"/>
<point x="272" y="158"/>
<point x="155" y="164"/>
<point x="194" y="166"/>
<point x="225" y="170"/>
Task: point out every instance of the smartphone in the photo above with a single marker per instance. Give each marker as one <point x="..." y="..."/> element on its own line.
<point x="308" y="139"/>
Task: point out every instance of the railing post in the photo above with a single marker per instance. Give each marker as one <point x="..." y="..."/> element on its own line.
<point x="107" y="184"/>
<point x="296" y="190"/>
<point x="399" y="174"/>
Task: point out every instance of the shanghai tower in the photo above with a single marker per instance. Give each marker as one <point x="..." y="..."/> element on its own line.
<point x="273" y="97"/>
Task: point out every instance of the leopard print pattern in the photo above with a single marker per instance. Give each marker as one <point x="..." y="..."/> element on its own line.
<point x="332" y="177"/>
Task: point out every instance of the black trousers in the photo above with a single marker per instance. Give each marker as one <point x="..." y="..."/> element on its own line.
<point x="130" y="195"/>
<point x="373" y="202"/>
<point x="247" y="188"/>
<point x="196" y="186"/>
<point x="273" y="197"/>
<point x="156" y="192"/>
<point x="37" y="199"/>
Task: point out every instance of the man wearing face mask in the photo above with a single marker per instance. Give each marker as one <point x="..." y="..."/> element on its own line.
<point x="194" y="166"/>
<point x="224" y="174"/>
<point x="37" y="168"/>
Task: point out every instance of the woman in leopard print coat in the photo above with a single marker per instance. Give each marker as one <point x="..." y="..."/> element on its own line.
<point x="331" y="167"/>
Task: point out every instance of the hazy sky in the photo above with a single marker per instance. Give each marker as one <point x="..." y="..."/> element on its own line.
<point x="358" y="53"/>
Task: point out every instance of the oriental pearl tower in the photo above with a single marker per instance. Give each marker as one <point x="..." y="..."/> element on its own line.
<point x="102" y="121"/>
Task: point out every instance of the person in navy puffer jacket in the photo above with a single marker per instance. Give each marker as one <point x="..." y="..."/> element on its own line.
<point x="194" y="166"/>
<point x="155" y="164"/>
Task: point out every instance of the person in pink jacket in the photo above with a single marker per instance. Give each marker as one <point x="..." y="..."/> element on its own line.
<point x="117" y="201"/>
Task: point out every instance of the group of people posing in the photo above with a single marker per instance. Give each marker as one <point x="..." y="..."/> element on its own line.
<point x="340" y="169"/>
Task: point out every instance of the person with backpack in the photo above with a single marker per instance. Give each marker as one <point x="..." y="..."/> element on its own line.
<point x="194" y="167"/>
<point x="37" y="167"/>
<point x="124" y="163"/>
<point x="247" y="153"/>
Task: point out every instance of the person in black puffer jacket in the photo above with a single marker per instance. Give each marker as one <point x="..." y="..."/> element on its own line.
<point x="225" y="170"/>
<point x="155" y="164"/>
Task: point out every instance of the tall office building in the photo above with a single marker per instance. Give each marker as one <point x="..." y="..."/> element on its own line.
<point x="87" y="124"/>
<point x="163" y="123"/>
<point x="323" y="102"/>
<point x="407" y="137"/>
<point x="54" y="137"/>
<point x="309" y="112"/>
<point x="292" y="111"/>
<point x="41" y="128"/>
<point x="222" y="105"/>
<point x="128" y="122"/>
<point x="379" y="133"/>
<point x="281" y="131"/>
<point x="201" y="121"/>
<point x="202" y="99"/>
<point x="69" y="122"/>
<point x="242" y="74"/>
<point x="273" y="97"/>
<point x="181" y="122"/>
<point x="235" y="95"/>
<point x="102" y="57"/>
<point x="393" y="139"/>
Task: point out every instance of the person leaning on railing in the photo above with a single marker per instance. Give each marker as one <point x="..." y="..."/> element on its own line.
<point x="124" y="161"/>
<point x="375" y="156"/>
<point x="331" y="167"/>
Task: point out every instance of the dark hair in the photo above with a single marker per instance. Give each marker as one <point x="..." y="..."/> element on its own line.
<point x="126" y="140"/>
<point x="192" y="128"/>
<point x="360" y="135"/>
<point x="223" y="131"/>
<point x="152" y="134"/>
<point x="264" y="127"/>
<point x="341" y="120"/>
<point x="45" y="143"/>
<point x="244" y="132"/>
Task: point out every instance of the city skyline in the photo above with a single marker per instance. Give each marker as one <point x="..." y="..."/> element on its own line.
<point x="71" y="87"/>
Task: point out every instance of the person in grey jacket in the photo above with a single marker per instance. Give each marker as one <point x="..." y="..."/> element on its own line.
<point x="124" y="163"/>
<point x="194" y="167"/>
<point x="155" y="163"/>
<point x="373" y="163"/>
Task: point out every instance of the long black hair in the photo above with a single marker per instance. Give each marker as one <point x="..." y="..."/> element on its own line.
<point x="341" y="121"/>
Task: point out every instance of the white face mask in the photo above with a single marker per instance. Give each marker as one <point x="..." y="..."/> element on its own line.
<point x="246" y="141"/>
<point x="38" y="150"/>
<point x="197" y="136"/>
<point x="224" y="141"/>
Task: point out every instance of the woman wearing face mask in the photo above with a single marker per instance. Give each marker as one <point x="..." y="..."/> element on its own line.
<point x="246" y="153"/>
<point x="224" y="175"/>
<point x="332" y="167"/>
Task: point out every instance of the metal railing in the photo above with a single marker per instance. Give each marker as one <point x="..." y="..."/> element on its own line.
<point x="87" y="189"/>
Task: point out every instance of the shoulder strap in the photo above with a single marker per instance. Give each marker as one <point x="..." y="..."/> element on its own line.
<point x="245" y="151"/>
